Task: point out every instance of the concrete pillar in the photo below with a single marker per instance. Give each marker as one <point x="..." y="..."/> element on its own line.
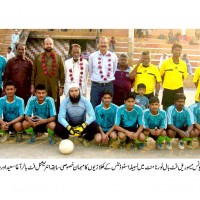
<point x="130" y="46"/>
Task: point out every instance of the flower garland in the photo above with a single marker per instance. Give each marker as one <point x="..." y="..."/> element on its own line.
<point x="109" y="68"/>
<point x="44" y="67"/>
<point x="81" y="72"/>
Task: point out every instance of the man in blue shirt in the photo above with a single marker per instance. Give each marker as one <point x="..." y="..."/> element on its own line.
<point x="2" y="70"/>
<point x="128" y="121"/>
<point x="11" y="112"/>
<point x="180" y="122"/>
<point x="40" y="114"/>
<point x="72" y="117"/>
<point x="155" y="122"/>
<point x="195" y="109"/>
<point x="105" y="116"/>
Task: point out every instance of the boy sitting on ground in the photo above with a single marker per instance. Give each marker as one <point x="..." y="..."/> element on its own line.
<point x="155" y="122"/>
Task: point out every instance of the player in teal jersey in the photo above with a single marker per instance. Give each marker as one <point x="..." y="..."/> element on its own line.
<point x="11" y="112"/>
<point x="128" y="121"/>
<point x="155" y="122"/>
<point x="195" y="109"/>
<point x="180" y="122"/>
<point x="40" y="114"/>
<point x="105" y="117"/>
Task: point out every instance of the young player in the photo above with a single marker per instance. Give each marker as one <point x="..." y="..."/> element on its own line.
<point x="195" y="109"/>
<point x="105" y="117"/>
<point x="128" y="121"/>
<point x="11" y="112"/>
<point x="43" y="110"/>
<point x="155" y="122"/>
<point x="140" y="99"/>
<point x="180" y="122"/>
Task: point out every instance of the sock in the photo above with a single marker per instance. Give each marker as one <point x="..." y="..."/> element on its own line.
<point x="51" y="132"/>
<point x="30" y="130"/>
<point x="186" y="139"/>
<point x="168" y="139"/>
<point x="160" y="139"/>
<point x="20" y="132"/>
<point x="3" y="131"/>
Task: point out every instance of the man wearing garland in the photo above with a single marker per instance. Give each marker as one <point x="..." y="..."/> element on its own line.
<point x="102" y="66"/>
<point x="48" y="69"/>
<point x="76" y="70"/>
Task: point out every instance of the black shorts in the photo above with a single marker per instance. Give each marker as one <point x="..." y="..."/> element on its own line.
<point x="168" y="96"/>
<point x="131" y="129"/>
<point x="184" y="128"/>
<point x="41" y="128"/>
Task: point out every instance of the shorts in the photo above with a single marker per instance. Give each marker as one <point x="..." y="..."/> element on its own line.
<point x="41" y="128"/>
<point x="168" y="96"/>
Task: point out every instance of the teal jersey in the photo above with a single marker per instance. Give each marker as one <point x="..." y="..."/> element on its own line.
<point x="106" y="117"/>
<point x="152" y="121"/>
<point x="45" y="110"/>
<point x="195" y="110"/>
<point x="180" y="119"/>
<point x="125" y="118"/>
<point x="11" y="110"/>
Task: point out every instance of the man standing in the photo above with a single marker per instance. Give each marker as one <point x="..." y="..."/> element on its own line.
<point x="122" y="83"/>
<point x="72" y="117"/>
<point x="9" y="54"/>
<point x="102" y="66"/>
<point x="14" y="39"/>
<point x="148" y="74"/>
<point x="2" y="70"/>
<point x="172" y="72"/>
<point x="48" y="69"/>
<point x="19" y="69"/>
<point x="76" y="70"/>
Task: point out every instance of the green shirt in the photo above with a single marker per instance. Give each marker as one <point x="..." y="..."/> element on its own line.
<point x="52" y="83"/>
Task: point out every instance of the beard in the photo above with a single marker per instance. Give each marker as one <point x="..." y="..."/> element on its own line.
<point x="75" y="99"/>
<point x="49" y="49"/>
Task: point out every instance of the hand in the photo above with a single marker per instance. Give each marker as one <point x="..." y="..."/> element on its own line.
<point x="5" y="126"/>
<point x="32" y="90"/>
<point x="80" y="128"/>
<point x="183" y="134"/>
<point x="104" y="139"/>
<point x="133" y="136"/>
<point x="61" y="91"/>
<point x="71" y="129"/>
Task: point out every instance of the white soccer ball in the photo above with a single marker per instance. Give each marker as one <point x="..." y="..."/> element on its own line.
<point x="66" y="146"/>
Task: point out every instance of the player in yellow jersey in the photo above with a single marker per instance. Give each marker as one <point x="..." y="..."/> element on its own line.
<point x="172" y="72"/>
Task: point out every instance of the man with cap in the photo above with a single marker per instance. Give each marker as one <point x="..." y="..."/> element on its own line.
<point x="72" y="116"/>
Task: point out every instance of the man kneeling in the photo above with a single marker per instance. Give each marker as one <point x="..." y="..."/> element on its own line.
<point x="180" y="122"/>
<point x="72" y="117"/>
<point x="43" y="110"/>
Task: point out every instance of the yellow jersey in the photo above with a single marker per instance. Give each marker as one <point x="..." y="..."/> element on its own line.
<point x="147" y="75"/>
<point x="173" y="74"/>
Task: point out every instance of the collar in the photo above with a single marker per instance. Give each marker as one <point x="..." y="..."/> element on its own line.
<point x="19" y="58"/>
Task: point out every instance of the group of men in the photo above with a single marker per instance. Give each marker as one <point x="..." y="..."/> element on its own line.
<point x="111" y="112"/>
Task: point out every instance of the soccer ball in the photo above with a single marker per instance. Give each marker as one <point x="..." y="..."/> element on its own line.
<point x="66" y="146"/>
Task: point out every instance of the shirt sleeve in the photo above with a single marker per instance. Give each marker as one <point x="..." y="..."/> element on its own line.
<point x="140" y="122"/>
<point x="29" y="107"/>
<point x="21" y="107"/>
<point x="90" y="112"/>
<point x="90" y="63"/>
<point x="190" y="117"/>
<point x="52" y="107"/>
<point x="62" y="113"/>
<point x="144" y="119"/>
<point x="196" y="75"/>
<point x="164" y="121"/>
<point x="118" y="117"/>
<point x="162" y="69"/>
<point x="169" y="116"/>
<point x="115" y="64"/>
<point x="157" y="74"/>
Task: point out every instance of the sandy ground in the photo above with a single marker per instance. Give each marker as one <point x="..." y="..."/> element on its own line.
<point x="41" y="148"/>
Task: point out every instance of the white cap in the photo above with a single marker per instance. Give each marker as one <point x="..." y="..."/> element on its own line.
<point x="73" y="85"/>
